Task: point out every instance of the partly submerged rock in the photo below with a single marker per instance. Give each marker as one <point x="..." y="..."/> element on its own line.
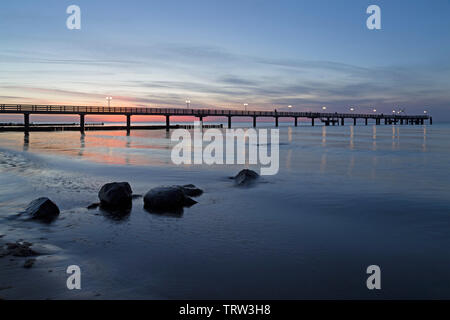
<point x="29" y="263"/>
<point x="191" y="190"/>
<point x="93" y="206"/>
<point x="167" y="199"/>
<point x="246" y="177"/>
<point x="42" y="209"/>
<point x="115" y="196"/>
<point x="20" y="249"/>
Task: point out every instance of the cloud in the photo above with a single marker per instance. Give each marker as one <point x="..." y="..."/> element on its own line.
<point x="167" y="74"/>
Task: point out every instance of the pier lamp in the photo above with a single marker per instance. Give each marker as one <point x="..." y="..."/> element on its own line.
<point x="393" y="111"/>
<point x="245" y="106"/>
<point x="188" y="103"/>
<point x="324" y="108"/>
<point x="425" y="111"/>
<point x="352" y="109"/>
<point x="374" y="110"/>
<point x="109" y="101"/>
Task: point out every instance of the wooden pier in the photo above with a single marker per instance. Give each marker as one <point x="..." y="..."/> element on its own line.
<point x="128" y="112"/>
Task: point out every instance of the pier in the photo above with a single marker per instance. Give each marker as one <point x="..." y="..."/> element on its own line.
<point x="128" y="112"/>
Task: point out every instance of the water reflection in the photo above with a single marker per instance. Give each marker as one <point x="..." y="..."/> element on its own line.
<point x="178" y="213"/>
<point x="323" y="163"/>
<point x="374" y="167"/>
<point x="374" y="138"/>
<point x="352" y="133"/>
<point x="395" y="137"/>
<point x="116" y="216"/>
<point x="424" y="144"/>
<point x="82" y="144"/>
<point x="289" y="159"/>
<point x="26" y="142"/>
<point x="351" y="165"/>
<point x="324" y="136"/>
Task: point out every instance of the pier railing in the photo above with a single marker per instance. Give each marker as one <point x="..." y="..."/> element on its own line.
<point x="68" y="109"/>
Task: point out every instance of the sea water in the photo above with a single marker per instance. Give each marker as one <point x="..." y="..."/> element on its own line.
<point x="345" y="197"/>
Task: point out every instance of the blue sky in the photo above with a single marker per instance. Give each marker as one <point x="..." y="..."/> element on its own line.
<point x="226" y="53"/>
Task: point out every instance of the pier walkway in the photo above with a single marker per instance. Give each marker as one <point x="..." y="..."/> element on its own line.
<point x="128" y="112"/>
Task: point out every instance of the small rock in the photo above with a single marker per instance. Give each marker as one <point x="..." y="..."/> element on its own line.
<point x="116" y="196"/>
<point x="167" y="199"/>
<point x="29" y="263"/>
<point x="245" y="177"/>
<point x="42" y="209"/>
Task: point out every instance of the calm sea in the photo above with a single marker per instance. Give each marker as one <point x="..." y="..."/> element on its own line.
<point x="344" y="198"/>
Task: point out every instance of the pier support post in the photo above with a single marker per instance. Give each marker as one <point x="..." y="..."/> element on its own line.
<point x="201" y="121"/>
<point x="168" y="122"/>
<point x="312" y="122"/>
<point x="26" y="122"/>
<point x="342" y="122"/>
<point x="276" y="121"/>
<point x="254" y="122"/>
<point x="295" y="121"/>
<point x="229" y="122"/>
<point x="367" y="121"/>
<point x="82" y="122"/>
<point x="431" y="120"/>
<point x="128" y="122"/>
<point x="401" y="121"/>
<point x="354" y="121"/>
<point x="422" y="122"/>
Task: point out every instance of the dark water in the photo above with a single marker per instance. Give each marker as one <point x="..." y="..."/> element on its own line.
<point x="344" y="198"/>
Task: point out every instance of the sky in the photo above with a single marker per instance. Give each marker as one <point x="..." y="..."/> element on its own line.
<point x="222" y="54"/>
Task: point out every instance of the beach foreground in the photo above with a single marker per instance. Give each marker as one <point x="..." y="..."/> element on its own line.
<point x="344" y="198"/>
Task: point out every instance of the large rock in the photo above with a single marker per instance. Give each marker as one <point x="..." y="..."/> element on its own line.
<point x="116" y="196"/>
<point x="246" y="177"/>
<point x="167" y="199"/>
<point x="42" y="209"/>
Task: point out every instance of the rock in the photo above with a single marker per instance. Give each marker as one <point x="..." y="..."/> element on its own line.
<point x="246" y="177"/>
<point x="93" y="206"/>
<point x="191" y="190"/>
<point x="115" y="196"/>
<point x="42" y="209"/>
<point x="3" y="252"/>
<point x="167" y="199"/>
<point x="19" y="249"/>
<point x="29" y="263"/>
